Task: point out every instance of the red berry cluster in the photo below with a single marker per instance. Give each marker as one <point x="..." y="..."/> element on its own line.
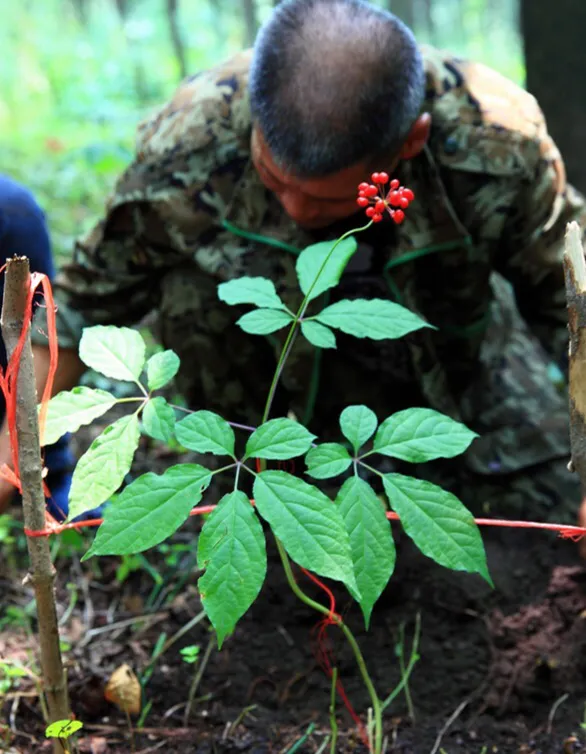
<point x="372" y="196"/>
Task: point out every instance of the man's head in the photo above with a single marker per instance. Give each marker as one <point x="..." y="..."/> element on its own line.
<point x="336" y="91"/>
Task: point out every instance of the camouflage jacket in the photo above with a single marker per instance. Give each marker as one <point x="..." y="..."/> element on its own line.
<point x="491" y="205"/>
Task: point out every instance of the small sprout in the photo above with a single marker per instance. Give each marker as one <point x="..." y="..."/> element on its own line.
<point x="190" y="654"/>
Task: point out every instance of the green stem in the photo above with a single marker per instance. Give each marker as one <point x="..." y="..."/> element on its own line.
<point x="411" y="664"/>
<point x="375" y="701"/>
<point x="333" y="721"/>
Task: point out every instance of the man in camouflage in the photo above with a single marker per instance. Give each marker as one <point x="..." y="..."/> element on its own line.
<point x="259" y="157"/>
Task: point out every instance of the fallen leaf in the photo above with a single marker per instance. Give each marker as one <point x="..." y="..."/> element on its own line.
<point x="123" y="690"/>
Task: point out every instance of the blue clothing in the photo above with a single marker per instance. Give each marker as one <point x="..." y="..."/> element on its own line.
<point x="23" y="232"/>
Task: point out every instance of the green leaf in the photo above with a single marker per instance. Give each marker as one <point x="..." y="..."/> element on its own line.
<point x="264" y="321"/>
<point x="250" y="290"/>
<point x="117" y="352"/>
<point x="161" y="368"/>
<point x="231" y="548"/>
<point x="318" y="335"/>
<point x="190" y="654"/>
<point x="70" y="409"/>
<point x="308" y="524"/>
<point x="278" y="440"/>
<point x="375" y="318"/>
<point x="206" y="432"/>
<point x="327" y="460"/>
<point x="438" y="523"/>
<point x="371" y="541"/>
<point x="358" y="424"/>
<point x="421" y="434"/>
<point x="102" y="468"/>
<point x="158" y="419"/>
<point x="312" y="258"/>
<point x="63" y="728"/>
<point x="149" y="510"/>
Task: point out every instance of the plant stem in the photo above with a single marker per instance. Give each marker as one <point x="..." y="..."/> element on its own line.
<point x="375" y="701"/>
<point x="410" y="665"/>
<point x="333" y="721"/>
<point x="197" y="679"/>
<point x="42" y="573"/>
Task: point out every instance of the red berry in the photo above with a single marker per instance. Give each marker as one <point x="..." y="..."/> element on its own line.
<point x="370" y="212"/>
<point x="403" y="202"/>
<point x="371" y="191"/>
<point x="362" y="201"/>
<point x="380" y="206"/>
<point x="394" y="198"/>
<point x="376" y="218"/>
<point x="394" y="184"/>
<point x="408" y="194"/>
<point x="383" y="178"/>
<point x="362" y="186"/>
<point x="375" y="178"/>
<point x="399" y="216"/>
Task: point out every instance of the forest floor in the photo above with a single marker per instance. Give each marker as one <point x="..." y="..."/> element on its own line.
<point x="500" y="670"/>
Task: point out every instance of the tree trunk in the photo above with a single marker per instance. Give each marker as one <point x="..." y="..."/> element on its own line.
<point x="176" y="38"/>
<point x="250" y="22"/>
<point x="555" y="56"/>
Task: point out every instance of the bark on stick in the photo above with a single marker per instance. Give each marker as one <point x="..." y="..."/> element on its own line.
<point x="575" y="275"/>
<point x="42" y="573"/>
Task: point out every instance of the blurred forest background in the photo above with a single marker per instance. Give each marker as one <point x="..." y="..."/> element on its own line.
<point x="77" y="75"/>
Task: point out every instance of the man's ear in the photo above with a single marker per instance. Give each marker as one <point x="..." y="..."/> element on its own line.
<point x="416" y="138"/>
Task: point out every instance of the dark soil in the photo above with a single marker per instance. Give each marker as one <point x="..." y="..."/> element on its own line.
<point x="506" y="666"/>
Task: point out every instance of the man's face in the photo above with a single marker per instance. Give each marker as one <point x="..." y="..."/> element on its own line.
<point x="310" y="202"/>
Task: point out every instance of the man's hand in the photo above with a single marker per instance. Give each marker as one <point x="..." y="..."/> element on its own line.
<point x="69" y="371"/>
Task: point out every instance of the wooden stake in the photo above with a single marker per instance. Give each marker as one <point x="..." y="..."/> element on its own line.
<point x="42" y="573"/>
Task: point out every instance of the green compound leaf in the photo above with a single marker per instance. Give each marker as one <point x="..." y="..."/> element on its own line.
<point x="70" y="409"/>
<point x="308" y="524"/>
<point x="149" y="510"/>
<point x="371" y="541"/>
<point x="102" y="468"/>
<point x="117" y="352"/>
<point x="264" y="321"/>
<point x="312" y="258"/>
<point x="63" y="728"/>
<point x="158" y="419"/>
<point x="375" y="318"/>
<point x="250" y="290"/>
<point x="358" y="424"/>
<point x="232" y="550"/>
<point x="327" y="460"/>
<point x="279" y="440"/>
<point x="318" y="335"/>
<point x="438" y="523"/>
<point x="421" y="434"/>
<point x="206" y="432"/>
<point x="161" y="368"/>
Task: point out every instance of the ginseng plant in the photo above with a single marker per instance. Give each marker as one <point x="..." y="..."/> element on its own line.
<point x="347" y="539"/>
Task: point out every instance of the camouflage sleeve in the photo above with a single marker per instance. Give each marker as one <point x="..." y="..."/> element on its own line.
<point x="114" y="276"/>
<point x="531" y="253"/>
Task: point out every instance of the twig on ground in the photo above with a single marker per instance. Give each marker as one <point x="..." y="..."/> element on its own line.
<point x="554" y="708"/>
<point x="454" y="716"/>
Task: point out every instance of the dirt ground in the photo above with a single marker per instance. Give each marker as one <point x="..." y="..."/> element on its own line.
<point x="500" y="670"/>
